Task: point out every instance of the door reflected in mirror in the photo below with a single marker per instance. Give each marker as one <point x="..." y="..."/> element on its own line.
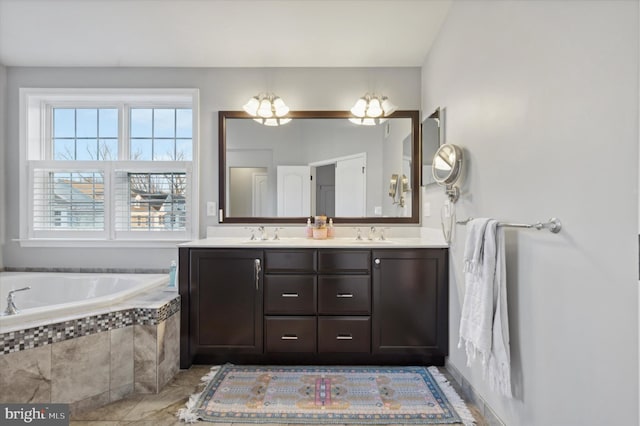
<point x="318" y="164"/>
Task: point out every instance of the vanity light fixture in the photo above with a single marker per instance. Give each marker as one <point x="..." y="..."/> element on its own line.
<point x="371" y="108"/>
<point x="268" y="109"/>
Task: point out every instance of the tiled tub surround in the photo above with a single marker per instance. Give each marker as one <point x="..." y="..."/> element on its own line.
<point x="90" y="361"/>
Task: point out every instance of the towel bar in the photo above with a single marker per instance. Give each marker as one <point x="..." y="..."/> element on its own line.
<point x="554" y="225"/>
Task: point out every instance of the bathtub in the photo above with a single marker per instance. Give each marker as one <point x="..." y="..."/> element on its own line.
<point x="55" y="297"/>
<point x="87" y="339"/>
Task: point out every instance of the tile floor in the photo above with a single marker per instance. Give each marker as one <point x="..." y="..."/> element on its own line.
<point x="160" y="409"/>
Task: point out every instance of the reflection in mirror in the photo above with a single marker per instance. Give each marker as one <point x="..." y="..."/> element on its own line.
<point x="430" y="144"/>
<point x="447" y="163"/>
<point x="318" y="164"/>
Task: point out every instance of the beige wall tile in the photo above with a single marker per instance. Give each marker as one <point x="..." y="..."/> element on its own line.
<point x="169" y="355"/>
<point x="25" y="376"/>
<point x="145" y="358"/>
<point x="80" y="368"/>
<point x="121" y="369"/>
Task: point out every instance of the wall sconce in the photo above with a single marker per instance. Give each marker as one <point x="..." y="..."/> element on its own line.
<point x="370" y="109"/>
<point x="268" y="109"/>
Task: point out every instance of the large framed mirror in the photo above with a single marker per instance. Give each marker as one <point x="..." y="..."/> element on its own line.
<point x="320" y="163"/>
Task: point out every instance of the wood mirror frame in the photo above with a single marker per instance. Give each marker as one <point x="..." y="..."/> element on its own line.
<point x="415" y="171"/>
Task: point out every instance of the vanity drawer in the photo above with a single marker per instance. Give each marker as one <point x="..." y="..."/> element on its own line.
<point x="344" y="261"/>
<point x="290" y="294"/>
<point x="290" y="334"/>
<point x="344" y="334"/>
<point x="290" y="261"/>
<point x="349" y="294"/>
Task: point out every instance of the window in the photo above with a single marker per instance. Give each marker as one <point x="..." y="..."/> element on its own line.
<point x="108" y="165"/>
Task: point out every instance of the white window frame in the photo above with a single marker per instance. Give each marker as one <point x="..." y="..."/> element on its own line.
<point x="35" y="152"/>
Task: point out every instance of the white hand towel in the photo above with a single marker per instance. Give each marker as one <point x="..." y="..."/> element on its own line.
<point x="474" y="246"/>
<point x="484" y="326"/>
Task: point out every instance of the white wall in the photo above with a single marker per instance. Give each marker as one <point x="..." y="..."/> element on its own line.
<point x="543" y="96"/>
<point x="3" y="142"/>
<point x="220" y="89"/>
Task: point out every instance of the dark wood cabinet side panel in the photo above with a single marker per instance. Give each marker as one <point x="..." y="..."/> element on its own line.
<point x="183" y="287"/>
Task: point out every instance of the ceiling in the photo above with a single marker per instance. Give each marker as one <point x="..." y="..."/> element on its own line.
<point x="219" y="33"/>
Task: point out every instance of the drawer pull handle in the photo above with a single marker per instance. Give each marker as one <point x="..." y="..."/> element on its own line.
<point x="344" y="295"/>
<point x="289" y="294"/>
<point x="289" y="337"/>
<point x="344" y="337"/>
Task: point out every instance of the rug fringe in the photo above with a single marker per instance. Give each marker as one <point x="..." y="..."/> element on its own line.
<point x="456" y="401"/>
<point x="189" y="414"/>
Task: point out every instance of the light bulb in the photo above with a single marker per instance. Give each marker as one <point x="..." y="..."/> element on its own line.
<point x="374" y="109"/>
<point x="251" y="107"/>
<point x="368" y="122"/>
<point x="280" y="107"/>
<point x="270" y="122"/>
<point x="359" y="108"/>
<point x="388" y="107"/>
<point x="265" y="108"/>
<point x="284" y="121"/>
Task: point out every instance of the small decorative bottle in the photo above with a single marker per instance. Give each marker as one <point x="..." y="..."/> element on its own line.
<point x="330" y="229"/>
<point x="172" y="276"/>
<point x="309" y="230"/>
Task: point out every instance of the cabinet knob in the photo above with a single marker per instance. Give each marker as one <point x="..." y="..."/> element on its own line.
<point x="377" y="261"/>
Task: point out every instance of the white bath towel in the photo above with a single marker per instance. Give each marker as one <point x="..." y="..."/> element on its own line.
<point x="484" y="325"/>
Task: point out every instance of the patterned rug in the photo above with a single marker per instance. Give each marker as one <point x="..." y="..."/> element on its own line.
<point x="342" y="395"/>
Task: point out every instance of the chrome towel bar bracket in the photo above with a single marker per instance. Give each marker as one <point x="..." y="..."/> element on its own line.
<point x="554" y="225"/>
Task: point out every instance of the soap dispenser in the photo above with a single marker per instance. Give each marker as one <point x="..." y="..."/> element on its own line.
<point x="172" y="276"/>
<point x="330" y="229"/>
<point x="309" y="230"/>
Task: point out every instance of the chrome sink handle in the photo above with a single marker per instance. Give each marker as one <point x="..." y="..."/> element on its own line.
<point x="11" y="306"/>
<point x="253" y="233"/>
<point x="275" y="233"/>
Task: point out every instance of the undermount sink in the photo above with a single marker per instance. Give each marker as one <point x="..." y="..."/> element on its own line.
<point x="310" y="241"/>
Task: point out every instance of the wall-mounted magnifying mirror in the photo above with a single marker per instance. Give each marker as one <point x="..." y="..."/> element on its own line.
<point x="447" y="166"/>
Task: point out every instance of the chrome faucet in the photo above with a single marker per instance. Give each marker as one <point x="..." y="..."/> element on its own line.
<point x="372" y="233"/>
<point x="358" y="234"/>
<point x="11" y="306"/>
<point x="263" y="233"/>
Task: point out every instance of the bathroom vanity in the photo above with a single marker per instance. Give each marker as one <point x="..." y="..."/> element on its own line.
<point x="313" y="302"/>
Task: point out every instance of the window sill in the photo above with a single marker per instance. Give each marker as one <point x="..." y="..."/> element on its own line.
<point x="90" y="243"/>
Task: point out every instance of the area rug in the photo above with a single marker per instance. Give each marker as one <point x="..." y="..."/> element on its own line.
<point x="341" y="395"/>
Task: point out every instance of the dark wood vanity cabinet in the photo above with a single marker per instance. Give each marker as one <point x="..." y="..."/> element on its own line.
<point x="410" y="302"/>
<point x="333" y="306"/>
<point x="225" y="304"/>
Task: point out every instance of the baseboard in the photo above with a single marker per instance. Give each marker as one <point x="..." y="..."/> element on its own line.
<point x="470" y="394"/>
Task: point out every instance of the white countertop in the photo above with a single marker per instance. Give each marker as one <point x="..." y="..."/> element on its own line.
<point x="296" y="242"/>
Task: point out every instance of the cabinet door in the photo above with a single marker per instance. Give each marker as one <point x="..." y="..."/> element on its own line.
<point x="226" y="301"/>
<point x="410" y="302"/>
